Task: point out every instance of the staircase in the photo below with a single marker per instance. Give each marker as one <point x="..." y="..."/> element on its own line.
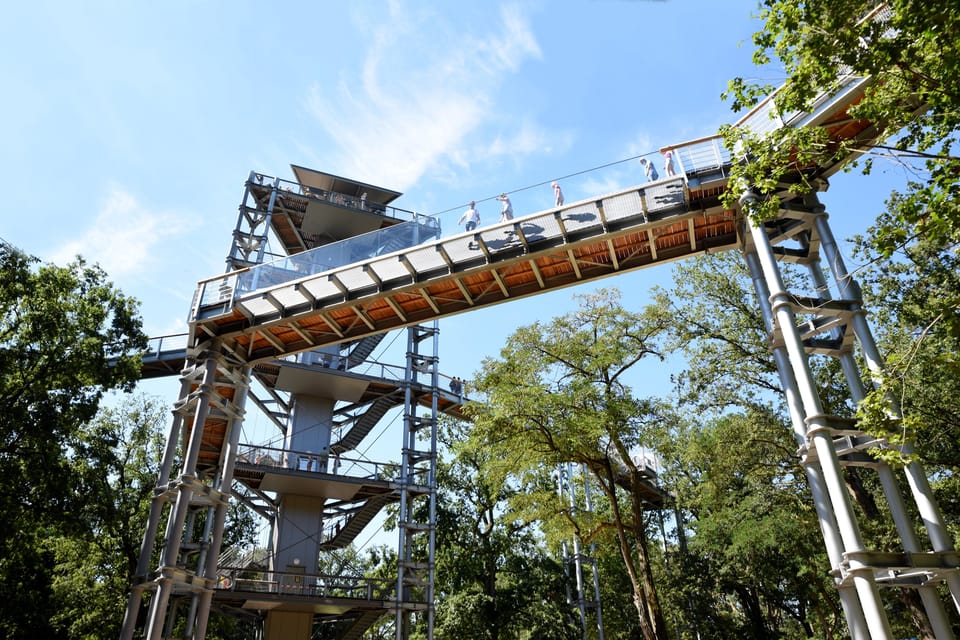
<point x="355" y="523"/>
<point x="364" y="424"/>
<point x="361" y="624"/>
<point x="361" y="349"/>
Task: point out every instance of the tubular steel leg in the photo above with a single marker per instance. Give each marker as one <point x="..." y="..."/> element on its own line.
<point x="153" y="523"/>
<point x="220" y="513"/>
<point x="891" y="488"/>
<point x="412" y="573"/>
<point x="598" y="609"/>
<point x="178" y="515"/>
<point x="818" y="431"/>
<point x="821" y="500"/>
<point x="916" y="477"/>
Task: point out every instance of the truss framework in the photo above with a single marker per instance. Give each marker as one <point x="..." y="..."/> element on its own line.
<point x="802" y="325"/>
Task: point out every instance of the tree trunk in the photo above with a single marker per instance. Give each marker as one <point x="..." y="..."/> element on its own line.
<point x="753" y="611"/>
<point x="649" y="615"/>
<point x="655" y="613"/>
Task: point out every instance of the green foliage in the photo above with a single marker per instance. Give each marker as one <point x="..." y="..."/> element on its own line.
<point x="915" y="298"/>
<point x="717" y="327"/>
<point x="67" y="336"/>
<point x="494" y="579"/>
<point x="912" y="56"/>
<point x="758" y="571"/>
<point x="115" y="462"/>
<point x="558" y="394"/>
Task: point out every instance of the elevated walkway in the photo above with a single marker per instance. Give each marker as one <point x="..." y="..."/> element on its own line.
<point x="583" y="241"/>
<point x="310" y="306"/>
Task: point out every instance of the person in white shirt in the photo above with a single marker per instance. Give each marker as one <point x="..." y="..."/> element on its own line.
<point x="668" y="163"/>
<point x="471" y="216"/>
<point x="557" y="195"/>
<point x="649" y="170"/>
<point x="506" y="209"/>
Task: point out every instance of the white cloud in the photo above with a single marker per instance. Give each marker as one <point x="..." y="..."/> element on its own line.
<point x="609" y="184"/>
<point x="125" y="237"/>
<point x="424" y="86"/>
<point x="528" y="138"/>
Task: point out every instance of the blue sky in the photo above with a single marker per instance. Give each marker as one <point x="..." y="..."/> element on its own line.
<point x="128" y="129"/>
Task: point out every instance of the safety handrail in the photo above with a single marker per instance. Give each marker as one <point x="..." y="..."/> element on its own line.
<point x="289" y="187"/>
<point x="160" y="345"/>
<point x="325" y="258"/>
<point x="318" y="585"/>
<point x="266" y="456"/>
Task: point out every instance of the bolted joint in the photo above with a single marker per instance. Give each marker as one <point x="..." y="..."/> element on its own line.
<point x="749" y="197"/>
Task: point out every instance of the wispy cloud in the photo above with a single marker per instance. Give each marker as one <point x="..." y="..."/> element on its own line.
<point x="124" y="237"/>
<point x="423" y="88"/>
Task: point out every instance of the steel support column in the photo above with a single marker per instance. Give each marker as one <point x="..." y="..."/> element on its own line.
<point x="830" y="326"/>
<point x="817" y="431"/>
<point x="418" y="479"/>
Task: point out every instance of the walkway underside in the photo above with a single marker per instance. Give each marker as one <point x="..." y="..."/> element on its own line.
<point x="557" y="248"/>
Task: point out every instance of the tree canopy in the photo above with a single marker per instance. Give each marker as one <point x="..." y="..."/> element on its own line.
<point x="67" y="336"/>
<point x="911" y="50"/>
<point x="559" y="393"/>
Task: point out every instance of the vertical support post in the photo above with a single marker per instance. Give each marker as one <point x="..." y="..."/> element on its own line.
<point x="418" y="466"/>
<point x="153" y="522"/>
<point x="821" y="500"/>
<point x="891" y="488"/>
<point x="593" y="549"/>
<point x="229" y="458"/>
<point x="917" y="480"/>
<point x="178" y="514"/>
<point x="818" y="432"/>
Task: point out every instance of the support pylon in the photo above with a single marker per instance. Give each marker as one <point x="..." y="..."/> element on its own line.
<point x="818" y="323"/>
<point x="210" y="408"/>
<point x="418" y="480"/>
<point x="579" y="562"/>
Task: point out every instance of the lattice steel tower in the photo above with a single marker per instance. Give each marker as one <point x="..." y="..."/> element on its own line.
<point x="323" y="403"/>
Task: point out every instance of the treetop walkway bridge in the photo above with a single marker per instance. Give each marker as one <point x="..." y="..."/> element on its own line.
<point x="252" y="320"/>
<point x="302" y="303"/>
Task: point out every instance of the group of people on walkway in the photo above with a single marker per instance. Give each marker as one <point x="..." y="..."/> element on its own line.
<point x="651" y="171"/>
<point x="472" y="217"/>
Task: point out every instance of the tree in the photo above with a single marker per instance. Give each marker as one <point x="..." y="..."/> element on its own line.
<point x="558" y="394"/>
<point x="911" y="52"/>
<point x="729" y="369"/>
<point x="496" y="579"/>
<point x="759" y="573"/>
<point x="493" y="577"/>
<point x="114" y="460"/>
<point x="67" y="336"/>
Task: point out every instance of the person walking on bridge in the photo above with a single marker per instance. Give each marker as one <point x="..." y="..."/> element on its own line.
<point x="506" y="209"/>
<point x="557" y="195"/>
<point x="668" y="163"/>
<point x="649" y="170"/>
<point x="471" y="216"/>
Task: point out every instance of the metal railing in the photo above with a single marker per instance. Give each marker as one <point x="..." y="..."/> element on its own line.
<point x="322" y="462"/>
<point x="334" y="197"/>
<point x="157" y="347"/>
<point x="215" y="291"/>
<point x="700" y="156"/>
<point x="315" y="585"/>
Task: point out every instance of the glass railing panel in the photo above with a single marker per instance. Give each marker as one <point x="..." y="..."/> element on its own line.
<point x="161" y="345"/>
<point x="337" y="254"/>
